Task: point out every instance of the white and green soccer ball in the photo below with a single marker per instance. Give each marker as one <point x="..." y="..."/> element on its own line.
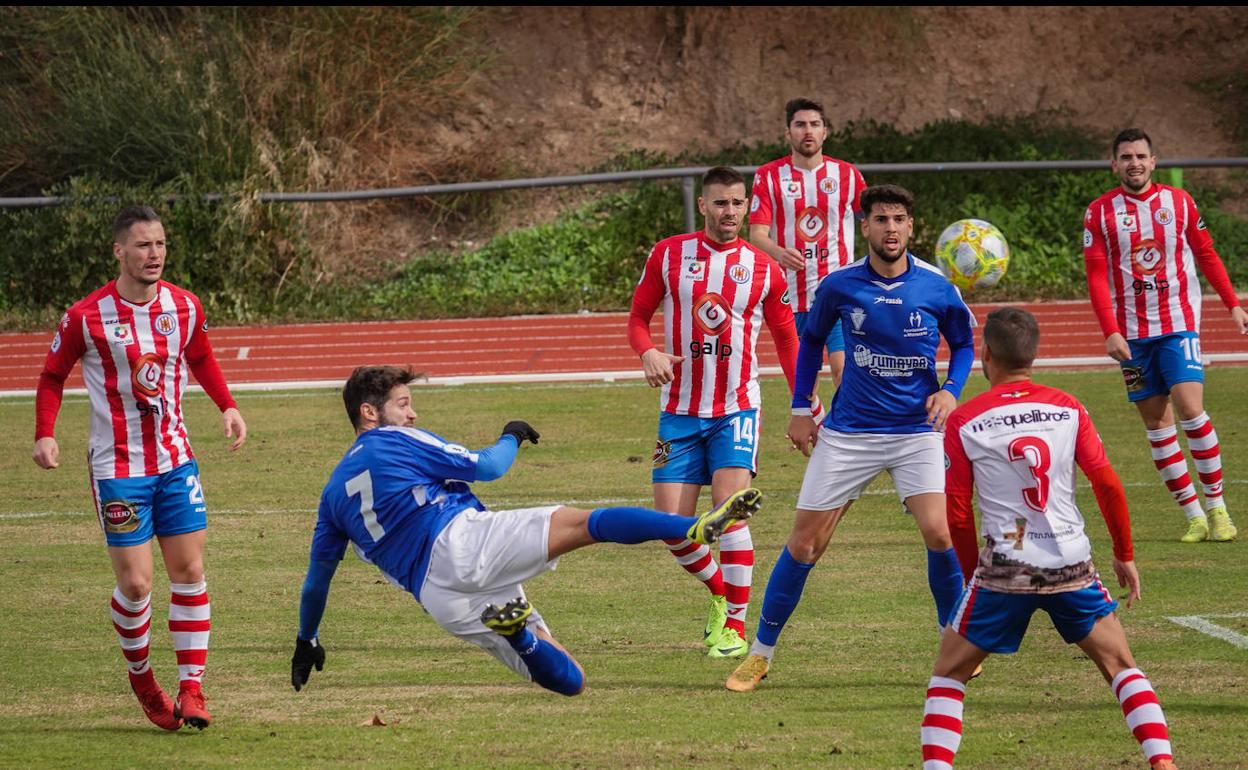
<point x="972" y="254"/>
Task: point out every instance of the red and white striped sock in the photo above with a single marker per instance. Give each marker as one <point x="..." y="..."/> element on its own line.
<point x="698" y="561"/>
<point x="133" y="622"/>
<point x="1143" y="712"/>
<point x="189" y="624"/>
<point x="736" y="554"/>
<point x="941" y="733"/>
<point x="1172" y="465"/>
<point x="1202" y="440"/>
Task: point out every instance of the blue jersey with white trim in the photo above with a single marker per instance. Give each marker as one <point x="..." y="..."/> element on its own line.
<point x="892" y="329"/>
<point x="391" y="496"/>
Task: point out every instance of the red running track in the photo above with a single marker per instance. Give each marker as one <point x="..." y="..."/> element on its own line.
<point x="529" y="348"/>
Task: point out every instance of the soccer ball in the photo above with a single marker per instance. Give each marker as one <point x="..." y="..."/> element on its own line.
<point x="972" y="254"/>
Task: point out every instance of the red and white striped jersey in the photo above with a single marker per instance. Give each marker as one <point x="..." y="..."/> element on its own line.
<point x="134" y="363"/>
<point x="1017" y="445"/>
<point x="1141" y="254"/>
<point x="809" y="211"/>
<point x="715" y="298"/>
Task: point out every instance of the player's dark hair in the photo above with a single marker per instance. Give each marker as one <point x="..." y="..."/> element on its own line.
<point x="886" y="194"/>
<point x="372" y="385"/>
<point x="725" y="175"/>
<point x="1132" y="135"/>
<point x="799" y="104"/>
<point x="130" y="215"/>
<point x="1012" y="336"/>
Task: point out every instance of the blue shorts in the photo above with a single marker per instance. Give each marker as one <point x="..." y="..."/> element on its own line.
<point x="995" y="621"/>
<point x="132" y="510"/>
<point x="836" y="340"/>
<point x="1159" y="363"/>
<point x="690" y="449"/>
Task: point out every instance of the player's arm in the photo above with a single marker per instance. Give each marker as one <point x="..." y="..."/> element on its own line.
<point x="328" y="546"/>
<point x="957" y="327"/>
<point x="1096" y="271"/>
<point x="68" y="345"/>
<point x="779" y="319"/>
<point x="762" y="214"/>
<point x="1111" y="498"/>
<point x="1211" y="264"/>
<point x="656" y="365"/>
<point x="805" y="407"/>
<point x="207" y="372"/>
<point x="959" y="490"/>
<point x="494" y="461"/>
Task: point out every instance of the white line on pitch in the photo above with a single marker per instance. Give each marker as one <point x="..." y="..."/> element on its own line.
<point x="1203" y="625"/>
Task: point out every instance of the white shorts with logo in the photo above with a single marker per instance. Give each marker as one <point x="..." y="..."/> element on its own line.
<point x="843" y="464"/>
<point x="481" y="558"/>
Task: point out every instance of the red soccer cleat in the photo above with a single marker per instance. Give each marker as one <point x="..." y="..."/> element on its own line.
<point x="156" y="704"/>
<point x="190" y="708"/>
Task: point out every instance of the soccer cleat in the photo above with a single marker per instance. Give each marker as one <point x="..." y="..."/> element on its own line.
<point x="156" y="703"/>
<point x="716" y="616"/>
<point x="738" y="507"/>
<point x="1197" y="530"/>
<point x="729" y="645"/>
<point x="190" y="708"/>
<point x="1221" y="530"/>
<point x="747" y="676"/>
<point x="1163" y="764"/>
<point x="509" y="619"/>
<point x="979" y="669"/>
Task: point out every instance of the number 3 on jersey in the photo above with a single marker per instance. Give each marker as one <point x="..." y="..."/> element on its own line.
<point x="1035" y="452"/>
<point x="362" y="485"/>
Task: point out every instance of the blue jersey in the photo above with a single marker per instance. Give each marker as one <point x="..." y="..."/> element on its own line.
<point x="892" y="328"/>
<point x="392" y="494"/>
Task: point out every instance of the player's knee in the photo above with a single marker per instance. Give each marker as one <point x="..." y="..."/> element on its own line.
<point x="807" y="549"/>
<point x="134" y="585"/>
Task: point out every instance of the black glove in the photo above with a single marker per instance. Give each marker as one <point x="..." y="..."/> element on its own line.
<point x="521" y="430"/>
<point x="307" y="655"/>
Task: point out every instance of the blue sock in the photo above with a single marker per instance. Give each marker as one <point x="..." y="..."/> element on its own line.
<point x="549" y="666"/>
<point x="944" y="576"/>
<point x="636" y="525"/>
<point x="784" y="590"/>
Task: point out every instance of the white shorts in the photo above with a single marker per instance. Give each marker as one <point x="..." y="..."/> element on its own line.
<point x="481" y="558"/>
<point x="843" y="464"/>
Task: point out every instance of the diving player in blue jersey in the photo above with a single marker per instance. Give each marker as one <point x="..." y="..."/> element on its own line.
<point x="400" y="498"/>
<point x="886" y="415"/>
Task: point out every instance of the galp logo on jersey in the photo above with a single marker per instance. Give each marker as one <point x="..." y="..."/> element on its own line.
<point x="712" y="314"/>
<point x="811" y="223"/>
<point x="1147" y="256"/>
<point x="147" y="372"/>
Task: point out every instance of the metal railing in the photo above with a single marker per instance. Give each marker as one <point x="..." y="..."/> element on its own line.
<point x="688" y="176"/>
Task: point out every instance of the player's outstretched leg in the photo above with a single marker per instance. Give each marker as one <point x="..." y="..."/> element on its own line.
<point x="550" y="667"/>
<point x="738" y="506"/>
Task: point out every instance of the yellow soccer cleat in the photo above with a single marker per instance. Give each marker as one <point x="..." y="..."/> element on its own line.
<point x="730" y="645"/>
<point x="738" y="507"/>
<point x="1197" y="530"/>
<point x="716" y="617"/>
<point x="747" y="676"/>
<point x="1221" y="530"/>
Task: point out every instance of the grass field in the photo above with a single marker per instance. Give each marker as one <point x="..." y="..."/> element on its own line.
<point x="846" y="689"/>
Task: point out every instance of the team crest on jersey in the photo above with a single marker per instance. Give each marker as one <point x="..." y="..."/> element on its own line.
<point x="827" y="185"/>
<point x="1147" y="256"/>
<point x="662" y="453"/>
<point x="857" y="317"/>
<point x="792" y="189"/>
<point x="712" y="314"/>
<point x="811" y="223"/>
<point x="165" y="323"/>
<point x="1133" y="378"/>
<point x="915" y="327"/>
<point x="1087" y="237"/>
<point x="695" y="270"/>
<point x="1164" y="216"/>
<point x="1126" y="222"/>
<point x="740" y="273"/>
<point x="119" y="516"/>
<point x="146" y="374"/>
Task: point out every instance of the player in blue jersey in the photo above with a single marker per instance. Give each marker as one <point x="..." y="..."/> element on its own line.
<point x="886" y="415"/>
<point x="400" y="498"/>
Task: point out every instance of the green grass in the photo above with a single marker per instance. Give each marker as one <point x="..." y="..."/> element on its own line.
<point x="848" y="682"/>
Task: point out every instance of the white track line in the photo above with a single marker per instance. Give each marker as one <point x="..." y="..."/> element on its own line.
<point x="1202" y="624"/>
